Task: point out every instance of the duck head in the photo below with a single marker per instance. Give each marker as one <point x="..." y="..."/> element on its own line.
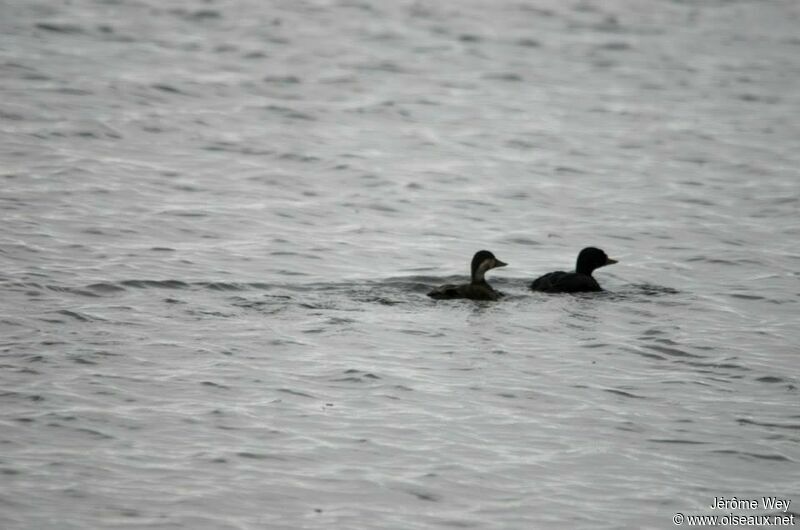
<point x="592" y="258"/>
<point x="482" y="262"/>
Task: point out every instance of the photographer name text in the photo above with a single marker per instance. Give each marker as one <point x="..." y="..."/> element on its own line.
<point x="764" y="503"/>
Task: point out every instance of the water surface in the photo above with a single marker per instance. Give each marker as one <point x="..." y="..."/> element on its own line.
<point x="220" y="221"/>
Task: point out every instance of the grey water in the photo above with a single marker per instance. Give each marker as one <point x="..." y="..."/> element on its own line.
<point x="220" y="220"/>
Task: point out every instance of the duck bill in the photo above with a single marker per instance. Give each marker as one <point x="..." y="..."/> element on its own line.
<point x="610" y="261"/>
<point x="498" y="263"/>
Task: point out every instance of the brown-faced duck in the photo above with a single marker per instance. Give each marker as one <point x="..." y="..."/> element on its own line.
<point x="477" y="289"/>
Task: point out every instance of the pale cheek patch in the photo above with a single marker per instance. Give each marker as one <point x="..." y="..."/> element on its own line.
<point x="482" y="268"/>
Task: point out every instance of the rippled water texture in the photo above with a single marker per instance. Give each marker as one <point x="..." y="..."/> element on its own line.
<point x="220" y="220"/>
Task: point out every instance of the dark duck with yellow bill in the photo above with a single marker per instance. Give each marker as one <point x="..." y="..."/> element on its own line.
<point x="477" y="289"/>
<point x="581" y="280"/>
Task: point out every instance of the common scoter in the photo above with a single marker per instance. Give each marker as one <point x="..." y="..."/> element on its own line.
<point x="477" y="289"/>
<point x="581" y="280"/>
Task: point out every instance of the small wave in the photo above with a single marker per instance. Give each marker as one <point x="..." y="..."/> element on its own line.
<point x="367" y="375"/>
<point x="622" y="393"/>
<point x="83" y="317"/>
<point x="269" y="304"/>
<point x="91" y="432"/>
<point x="505" y="76"/>
<point x="296" y="393"/>
<point x="290" y="113"/>
<point x="789" y="426"/>
<point x="60" y="27"/>
<point x="714" y="367"/>
<point x="200" y="14"/>
<point x="70" y="290"/>
<point x="214" y="385"/>
<point x="258" y="456"/>
<point x="82" y="360"/>
<point x="297" y="157"/>
<point x="672" y="352"/>
<point x="770" y="379"/>
<point x="105" y="288"/>
<point x="282" y="79"/>
<point x="648" y="289"/>
<point x="353" y="375"/>
<point x="675" y="441"/>
<point x="747" y="296"/>
<point x="167" y="88"/>
<point x="527" y="42"/>
<point x="615" y="46"/>
<point x="159" y="284"/>
<point x="713" y="261"/>
<point x="223" y="286"/>
<point x="759" y="456"/>
<point x="758" y="98"/>
<point x="425" y="496"/>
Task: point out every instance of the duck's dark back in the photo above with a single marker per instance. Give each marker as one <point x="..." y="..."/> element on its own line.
<point x="565" y="282"/>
